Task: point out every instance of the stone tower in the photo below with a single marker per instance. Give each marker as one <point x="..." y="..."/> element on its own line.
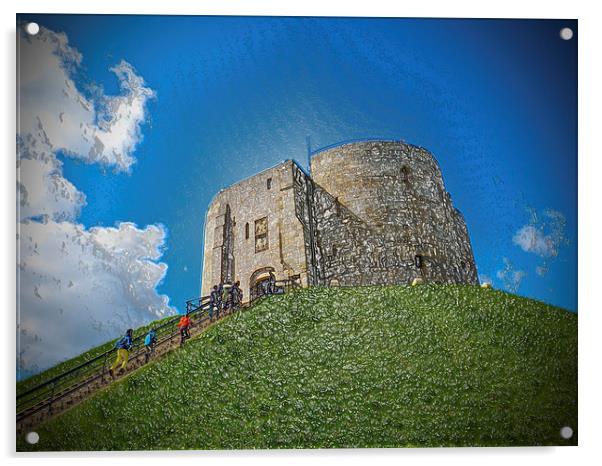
<point x="372" y="212"/>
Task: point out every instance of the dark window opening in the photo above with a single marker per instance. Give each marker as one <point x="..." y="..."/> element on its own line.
<point x="405" y="174"/>
<point x="334" y="251"/>
<point x="463" y="265"/>
<point x="418" y="261"/>
<point x="269" y="183"/>
<point x="247" y="230"/>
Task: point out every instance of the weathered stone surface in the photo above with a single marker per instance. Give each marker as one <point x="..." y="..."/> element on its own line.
<point x="234" y="251"/>
<point x="371" y="213"/>
<point x="383" y="216"/>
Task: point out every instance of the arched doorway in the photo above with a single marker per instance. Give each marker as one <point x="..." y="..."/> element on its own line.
<point x="259" y="282"/>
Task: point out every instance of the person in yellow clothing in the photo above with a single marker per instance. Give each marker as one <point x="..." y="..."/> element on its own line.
<point x="123" y="351"/>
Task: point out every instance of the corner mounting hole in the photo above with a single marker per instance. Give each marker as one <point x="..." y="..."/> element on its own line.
<point x="566" y="33"/>
<point x="32" y="28"/>
<point x="32" y="438"/>
<point x="566" y="432"/>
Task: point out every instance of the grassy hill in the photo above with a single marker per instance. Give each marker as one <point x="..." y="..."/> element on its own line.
<point x="386" y="366"/>
<point x="30" y="382"/>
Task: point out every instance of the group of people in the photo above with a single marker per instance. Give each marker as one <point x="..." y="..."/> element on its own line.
<point x="125" y="344"/>
<point x="224" y="297"/>
<point x="265" y="287"/>
<point x="268" y="286"/>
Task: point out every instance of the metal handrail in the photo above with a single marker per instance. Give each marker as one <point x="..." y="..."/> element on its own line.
<point x="55" y="379"/>
<point x="279" y="287"/>
<point x="61" y="385"/>
<point x="75" y="376"/>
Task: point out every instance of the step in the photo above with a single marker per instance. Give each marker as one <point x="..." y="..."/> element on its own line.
<point x="69" y="396"/>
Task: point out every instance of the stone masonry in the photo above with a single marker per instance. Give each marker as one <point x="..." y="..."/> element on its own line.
<point x="372" y="212"/>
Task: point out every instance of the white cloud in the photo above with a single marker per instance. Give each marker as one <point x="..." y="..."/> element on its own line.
<point x="105" y="130"/>
<point x="532" y="239"/>
<point x="42" y="189"/>
<point x="511" y="278"/>
<point x="81" y="287"/>
<point x="78" y="287"/>
<point x="543" y="236"/>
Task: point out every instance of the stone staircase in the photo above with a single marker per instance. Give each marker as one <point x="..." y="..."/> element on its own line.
<point x="44" y="401"/>
<point x="65" y="399"/>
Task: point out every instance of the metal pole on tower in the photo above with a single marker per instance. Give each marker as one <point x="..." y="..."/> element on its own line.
<point x="308" y="140"/>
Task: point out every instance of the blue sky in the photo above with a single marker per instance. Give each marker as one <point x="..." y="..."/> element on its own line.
<point x="494" y="100"/>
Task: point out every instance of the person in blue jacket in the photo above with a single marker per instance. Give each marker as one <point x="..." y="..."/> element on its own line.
<point x="123" y="345"/>
<point x="150" y="340"/>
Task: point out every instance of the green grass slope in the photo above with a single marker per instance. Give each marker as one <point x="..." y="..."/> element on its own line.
<point x="355" y="367"/>
<point x="34" y="380"/>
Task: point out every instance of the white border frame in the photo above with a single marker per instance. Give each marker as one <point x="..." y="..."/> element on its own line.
<point x="590" y="308"/>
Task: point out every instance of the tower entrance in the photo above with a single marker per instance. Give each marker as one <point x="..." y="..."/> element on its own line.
<point x="260" y="281"/>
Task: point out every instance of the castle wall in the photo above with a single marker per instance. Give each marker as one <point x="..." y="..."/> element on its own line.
<point x="275" y="236"/>
<point x="382" y="215"/>
<point x="371" y="213"/>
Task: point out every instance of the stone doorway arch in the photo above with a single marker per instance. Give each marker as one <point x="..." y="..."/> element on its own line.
<point x="259" y="281"/>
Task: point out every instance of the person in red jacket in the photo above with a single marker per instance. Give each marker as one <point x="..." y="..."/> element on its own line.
<point x="184" y="326"/>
